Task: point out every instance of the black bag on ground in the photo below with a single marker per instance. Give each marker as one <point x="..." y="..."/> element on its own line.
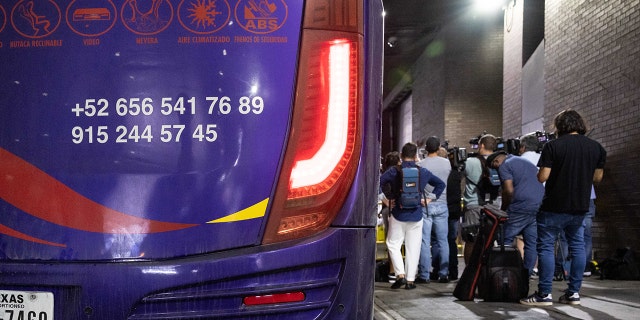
<point x="621" y="266"/>
<point x="382" y="271"/>
<point x="490" y="218"/>
<point x="503" y="277"/>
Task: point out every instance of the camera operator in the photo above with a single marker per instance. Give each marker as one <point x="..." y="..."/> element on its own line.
<point x="529" y="148"/>
<point x="476" y="193"/>
<point x="521" y="197"/>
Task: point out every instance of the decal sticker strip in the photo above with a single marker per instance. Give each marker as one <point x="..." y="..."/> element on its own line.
<point x="37" y="193"/>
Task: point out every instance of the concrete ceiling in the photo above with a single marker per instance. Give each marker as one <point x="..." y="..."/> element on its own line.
<point x="410" y="25"/>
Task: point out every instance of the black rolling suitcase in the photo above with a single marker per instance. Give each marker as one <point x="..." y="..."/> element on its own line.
<point x="503" y="276"/>
<point x="490" y="219"/>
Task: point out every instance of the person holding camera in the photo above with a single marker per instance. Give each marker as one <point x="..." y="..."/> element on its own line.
<point x="476" y="191"/>
<point x="521" y="198"/>
<point x="529" y="148"/>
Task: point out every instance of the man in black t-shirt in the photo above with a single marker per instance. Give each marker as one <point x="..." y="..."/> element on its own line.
<point x="569" y="165"/>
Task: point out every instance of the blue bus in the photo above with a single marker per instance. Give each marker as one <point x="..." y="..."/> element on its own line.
<point x="192" y="159"/>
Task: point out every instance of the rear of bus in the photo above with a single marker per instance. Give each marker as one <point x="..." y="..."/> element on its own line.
<point x="192" y="159"/>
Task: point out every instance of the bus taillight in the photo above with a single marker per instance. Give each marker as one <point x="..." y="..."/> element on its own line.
<point x="324" y="144"/>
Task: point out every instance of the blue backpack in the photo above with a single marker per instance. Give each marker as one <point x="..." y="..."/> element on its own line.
<point x="410" y="193"/>
<point x="489" y="184"/>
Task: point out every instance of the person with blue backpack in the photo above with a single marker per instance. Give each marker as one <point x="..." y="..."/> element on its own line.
<point x="406" y="184"/>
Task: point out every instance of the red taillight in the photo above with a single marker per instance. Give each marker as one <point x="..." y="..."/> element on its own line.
<point x="324" y="144"/>
<point x="328" y="134"/>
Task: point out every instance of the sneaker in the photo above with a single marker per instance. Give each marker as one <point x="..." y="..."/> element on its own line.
<point x="399" y="283"/>
<point x="422" y="280"/>
<point x="570" y="298"/>
<point x="559" y="276"/>
<point x="538" y="300"/>
<point x="533" y="275"/>
<point x="392" y="277"/>
<point x="410" y="286"/>
<point x="443" y="279"/>
<point x="587" y="274"/>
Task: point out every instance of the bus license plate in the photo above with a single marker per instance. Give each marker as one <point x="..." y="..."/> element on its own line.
<point x="16" y="305"/>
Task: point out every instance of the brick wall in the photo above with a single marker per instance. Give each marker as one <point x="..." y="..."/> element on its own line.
<point x="429" y="91"/>
<point x="457" y="88"/>
<point x="591" y="65"/>
<point x="512" y="72"/>
<point x="592" y="49"/>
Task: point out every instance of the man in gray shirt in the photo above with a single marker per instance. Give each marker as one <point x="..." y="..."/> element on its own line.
<point x="435" y="217"/>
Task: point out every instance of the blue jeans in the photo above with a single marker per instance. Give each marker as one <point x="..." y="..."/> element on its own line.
<point x="550" y="224"/>
<point x="435" y="217"/>
<point x="525" y="223"/>
<point x="588" y="238"/>
<point x="562" y="255"/>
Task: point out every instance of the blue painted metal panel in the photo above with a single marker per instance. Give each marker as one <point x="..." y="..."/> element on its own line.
<point x="92" y="95"/>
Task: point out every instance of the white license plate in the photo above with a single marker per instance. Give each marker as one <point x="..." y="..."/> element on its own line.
<point x="36" y="305"/>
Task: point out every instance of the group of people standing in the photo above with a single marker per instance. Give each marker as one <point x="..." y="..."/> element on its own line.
<point x="430" y="243"/>
<point x="546" y="196"/>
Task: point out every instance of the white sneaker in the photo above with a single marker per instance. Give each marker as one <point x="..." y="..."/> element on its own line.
<point x="538" y="300"/>
<point x="570" y="298"/>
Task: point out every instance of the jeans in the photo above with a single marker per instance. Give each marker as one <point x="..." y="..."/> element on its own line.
<point x="435" y="217"/>
<point x="588" y="238"/>
<point x="452" y="237"/>
<point x="550" y="224"/>
<point x="525" y="223"/>
<point x="563" y="263"/>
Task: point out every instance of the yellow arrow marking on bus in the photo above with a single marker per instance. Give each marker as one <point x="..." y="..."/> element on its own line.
<point x="257" y="210"/>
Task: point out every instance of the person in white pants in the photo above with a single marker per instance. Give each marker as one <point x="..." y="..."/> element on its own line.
<point x="405" y="224"/>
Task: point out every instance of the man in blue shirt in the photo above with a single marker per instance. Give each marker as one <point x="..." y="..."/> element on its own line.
<point x="405" y="225"/>
<point x="522" y="195"/>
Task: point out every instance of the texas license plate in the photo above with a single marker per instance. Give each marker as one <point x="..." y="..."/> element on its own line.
<point x="36" y="305"/>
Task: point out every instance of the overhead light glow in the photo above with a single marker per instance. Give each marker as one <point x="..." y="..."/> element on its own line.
<point x="488" y="6"/>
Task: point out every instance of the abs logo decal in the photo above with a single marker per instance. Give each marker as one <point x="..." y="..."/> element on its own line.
<point x="261" y="16"/>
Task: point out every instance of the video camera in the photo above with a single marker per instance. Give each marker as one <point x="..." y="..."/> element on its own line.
<point x="457" y="156"/>
<point x="475" y="143"/>
<point x="513" y="145"/>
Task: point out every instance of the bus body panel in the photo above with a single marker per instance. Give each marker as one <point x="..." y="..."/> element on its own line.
<point x="168" y="130"/>
<point x="214" y="285"/>
<point x="140" y="147"/>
